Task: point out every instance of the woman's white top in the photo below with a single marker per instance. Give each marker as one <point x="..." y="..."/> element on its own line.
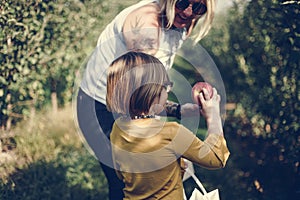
<point x="111" y="45"/>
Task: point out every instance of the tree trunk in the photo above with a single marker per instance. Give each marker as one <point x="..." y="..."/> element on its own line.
<point x="54" y="102"/>
<point x="9" y="111"/>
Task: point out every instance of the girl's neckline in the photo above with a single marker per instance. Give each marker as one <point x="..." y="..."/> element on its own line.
<point x="142" y="116"/>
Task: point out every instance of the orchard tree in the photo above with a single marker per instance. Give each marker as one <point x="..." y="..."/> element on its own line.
<point x="257" y="49"/>
<point x="267" y="51"/>
<point x="42" y="44"/>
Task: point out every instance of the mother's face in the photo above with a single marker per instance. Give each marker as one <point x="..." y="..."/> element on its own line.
<point x="186" y="11"/>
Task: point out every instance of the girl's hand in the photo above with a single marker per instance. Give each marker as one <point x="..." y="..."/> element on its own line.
<point x="210" y="106"/>
<point x="211" y="111"/>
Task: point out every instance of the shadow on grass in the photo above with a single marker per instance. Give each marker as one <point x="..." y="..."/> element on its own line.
<point x="245" y="177"/>
<point x="53" y="180"/>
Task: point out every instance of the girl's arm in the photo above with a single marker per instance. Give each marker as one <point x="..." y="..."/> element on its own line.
<point x="212" y="153"/>
<point x="211" y="111"/>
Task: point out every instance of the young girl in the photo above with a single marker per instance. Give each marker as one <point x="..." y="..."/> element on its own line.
<point x="146" y="149"/>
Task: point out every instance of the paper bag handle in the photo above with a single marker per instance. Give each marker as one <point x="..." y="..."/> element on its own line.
<point x="196" y="180"/>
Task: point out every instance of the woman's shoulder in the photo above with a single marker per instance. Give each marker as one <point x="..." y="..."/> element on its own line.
<point x="141" y="29"/>
<point x="144" y="16"/>
<point x="148" y="9"/>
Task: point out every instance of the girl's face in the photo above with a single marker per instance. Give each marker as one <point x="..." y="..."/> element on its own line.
<point x="163" y="97"/>
<point x="187" y="11"/>
<point x="158" y="106"/>
<point x="164" y="93"/>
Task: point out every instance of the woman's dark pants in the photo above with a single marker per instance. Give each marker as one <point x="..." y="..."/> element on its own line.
<point x="95" y="123"/>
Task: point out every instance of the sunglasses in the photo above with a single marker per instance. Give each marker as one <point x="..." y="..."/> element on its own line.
<point x="198" y="8"/>
<point x="168" y="86"/>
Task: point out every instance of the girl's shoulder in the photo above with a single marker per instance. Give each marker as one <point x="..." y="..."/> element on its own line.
<point x="175" y="126"/>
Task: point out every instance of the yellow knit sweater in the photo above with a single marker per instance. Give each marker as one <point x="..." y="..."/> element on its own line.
<point x="146" y="155"/>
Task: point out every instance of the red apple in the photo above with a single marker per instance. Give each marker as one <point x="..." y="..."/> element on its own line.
<point x="198" y="88"/>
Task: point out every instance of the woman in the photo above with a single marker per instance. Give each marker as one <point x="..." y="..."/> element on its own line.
<point x="156" y="27"/>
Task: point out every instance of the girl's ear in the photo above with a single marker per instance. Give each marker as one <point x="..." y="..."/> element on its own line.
<point x="157" y="106"/>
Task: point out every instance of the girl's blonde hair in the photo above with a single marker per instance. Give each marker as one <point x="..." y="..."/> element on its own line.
<point x="168" y="8"/>
<point x="134" y="81"/>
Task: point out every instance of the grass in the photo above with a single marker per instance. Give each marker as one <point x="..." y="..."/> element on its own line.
<point x="46" y="160"/>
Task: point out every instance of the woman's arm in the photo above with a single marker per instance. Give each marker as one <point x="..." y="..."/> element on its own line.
<point x="174" y="109"/>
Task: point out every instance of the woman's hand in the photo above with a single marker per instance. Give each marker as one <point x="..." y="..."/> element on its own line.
<point x="189" y="110"/>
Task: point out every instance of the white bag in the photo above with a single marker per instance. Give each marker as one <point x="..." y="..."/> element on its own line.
<point x="197" y="195"/>
<point x="189" y="165"/>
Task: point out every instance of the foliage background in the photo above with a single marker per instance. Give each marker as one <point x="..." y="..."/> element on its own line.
<point x="43" y="44"/>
